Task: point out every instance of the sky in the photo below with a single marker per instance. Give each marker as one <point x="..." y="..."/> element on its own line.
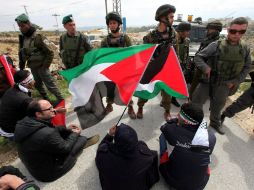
<point x="137" y="12"/>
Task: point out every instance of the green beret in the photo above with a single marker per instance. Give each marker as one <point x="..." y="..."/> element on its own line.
<point x="23" y="18"/>
<point x="67" y="19"/>
<point x="183" y="26"/>
<point x="216" y="25"/>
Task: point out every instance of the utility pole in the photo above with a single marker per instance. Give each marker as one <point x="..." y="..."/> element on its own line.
<point x="106" y="6"/>
<point x="117" y="7"/>
<point x="26" y="11"/>
<point x="57" y="29"/>
<point x="14" y="28"/>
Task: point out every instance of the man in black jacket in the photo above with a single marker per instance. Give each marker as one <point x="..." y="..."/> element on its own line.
<point x="126" y="163"/>
<point x="46" y="151"/>
<point x="15" y="101"/>
<point x="184" y="164"/>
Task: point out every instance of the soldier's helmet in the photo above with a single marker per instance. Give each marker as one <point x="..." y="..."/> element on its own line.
<point x="113" y="16"/>
<point x="164" y="10"/>
<point x="183" y="26"/>
<point x="216" y="25"/>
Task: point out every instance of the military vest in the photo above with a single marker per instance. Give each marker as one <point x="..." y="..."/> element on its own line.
<point x="156" y="37"/>
<point x="230" y="60"/>
<point x="182" y="50"/>
<point x="70" y="46"/>
<point x="31" y="53"/>
<point x="112" y="41"/>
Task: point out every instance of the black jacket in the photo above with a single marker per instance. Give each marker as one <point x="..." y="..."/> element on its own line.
<point x="187" y="169"/>
<point x="137" y="171"/>
<point x="47" y="152"/>
<point x="13" y="108"/>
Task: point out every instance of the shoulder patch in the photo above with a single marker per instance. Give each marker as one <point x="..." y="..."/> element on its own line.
<point x="46" y="42"/>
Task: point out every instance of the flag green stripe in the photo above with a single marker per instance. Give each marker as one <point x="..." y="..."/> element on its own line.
<point x="157" y="88"/>
<point x="103" y="55"/>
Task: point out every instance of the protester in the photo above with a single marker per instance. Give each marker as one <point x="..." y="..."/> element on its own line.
<point x="124" y="162"/>
<point x="184" y="165"/>
<point x="15" y="102"/>
<point x="48" y="152"/>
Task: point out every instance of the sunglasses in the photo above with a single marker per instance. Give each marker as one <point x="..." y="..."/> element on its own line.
<point x="232" y="31"/>
<point x="48" y="109"/>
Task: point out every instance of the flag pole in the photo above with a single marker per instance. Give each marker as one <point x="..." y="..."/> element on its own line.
<point x="136" y="86"/>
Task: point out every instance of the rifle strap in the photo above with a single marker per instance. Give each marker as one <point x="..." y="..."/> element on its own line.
<point x="78" y="49"/>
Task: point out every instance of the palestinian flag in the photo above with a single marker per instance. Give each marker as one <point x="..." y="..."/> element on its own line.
<point x="123" y="66"/>
<point x="163" y="73"/>
<point x="8" y="67"/>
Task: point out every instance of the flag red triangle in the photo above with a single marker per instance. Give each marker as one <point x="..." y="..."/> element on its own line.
<point x="7" y="69"/>
<point x="59" y="119"/>
<point x="127" y="73"/>
<point x="172" y="75"/>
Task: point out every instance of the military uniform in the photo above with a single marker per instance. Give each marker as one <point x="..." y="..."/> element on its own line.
<point x="156" y="37"/>
<point x="212" y="37"/>
<point x="182" y="51"/>
<point x="244" y="101"/>
<point x="73" y="49"/>
<point x="36" y="50"/>
<point x="110" y="41"/>
<point x="122" y="41"/>
<point x="229" y="64"/>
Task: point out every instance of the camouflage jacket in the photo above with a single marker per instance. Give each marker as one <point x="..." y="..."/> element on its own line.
<point x="122" y="41"/>
<point x="69" y="45"/>
<point x="156" y="37"/>
<point x="36" y="50"/>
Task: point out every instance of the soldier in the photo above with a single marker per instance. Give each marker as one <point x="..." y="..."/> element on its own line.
<point x="244" y="101"/>
<point x="224" y="65"/>
<point x="213" y="33"/>
<point x="115" y="39"/>
<point x="182" y="51"/>
<point x="73" y="44"/>
<point x="35" y="49"/>
<point x="164" y="33"/>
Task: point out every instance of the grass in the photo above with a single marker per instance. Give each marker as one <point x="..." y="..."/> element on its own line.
<point x="62" y="86"/>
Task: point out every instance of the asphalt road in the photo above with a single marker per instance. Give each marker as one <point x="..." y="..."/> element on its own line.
<point x="232" y="160"/>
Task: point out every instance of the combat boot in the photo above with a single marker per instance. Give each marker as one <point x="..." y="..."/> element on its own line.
<point x="109" y="108"/>
<point x="219" y="129"/>
<point x="167" y="115"/>
<point x="131" y="112"/>
<point x="140" y="113"/>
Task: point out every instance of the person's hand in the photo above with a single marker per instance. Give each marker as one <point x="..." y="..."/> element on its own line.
<point x="75" y="129"/>
<point x="61" y="110"/>
<point x="208" y="72"/>
<point x="112" y="131"/>
<point x="10" y="181"/>
<point x="230" y="85"/>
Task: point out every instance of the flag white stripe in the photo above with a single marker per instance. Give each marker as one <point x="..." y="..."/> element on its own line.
<point x="82" y="87"/>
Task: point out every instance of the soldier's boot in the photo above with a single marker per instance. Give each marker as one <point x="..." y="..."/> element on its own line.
<point x="140" y="113"/>
<point x="131" y="112"/>
<point x="175" y="102"/>
<point x="109" y="108"/>
<point x="219" y="129"/>
<point x="167" y="115"/>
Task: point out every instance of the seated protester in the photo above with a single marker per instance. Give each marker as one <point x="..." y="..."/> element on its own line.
<point x="12" y="179"/>
<point x="184" y="165"/>
<point x="15" y="101"/>
<point x="124" y="162"/>
<point x="48" y="152"/>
